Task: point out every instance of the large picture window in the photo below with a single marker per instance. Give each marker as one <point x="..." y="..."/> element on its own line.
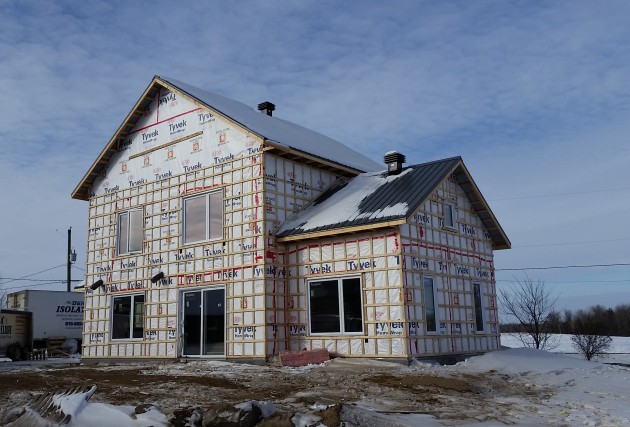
<point x="128" y="317"/>
<point x="478" y="307"/>
<point x="203" y="217"/>
<point x="335" y="306"/>
<point x="430" y="316"/>
<point x="130" y="229"/>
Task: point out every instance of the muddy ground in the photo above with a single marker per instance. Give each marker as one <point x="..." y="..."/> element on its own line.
<point x="384" y="387"/>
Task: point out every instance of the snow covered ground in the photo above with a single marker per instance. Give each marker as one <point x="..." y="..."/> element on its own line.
<point x="517" y="386"/>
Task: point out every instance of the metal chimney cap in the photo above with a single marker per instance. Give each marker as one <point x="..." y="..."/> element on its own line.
<point x="266" y="107"/>
<point x="394" y="156"/>
<point x="394" y="161"/>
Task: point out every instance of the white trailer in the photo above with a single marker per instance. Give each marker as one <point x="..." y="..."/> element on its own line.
<point x="55" y="314"/>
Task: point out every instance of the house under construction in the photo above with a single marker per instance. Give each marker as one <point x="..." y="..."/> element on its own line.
<point x="216" y="230"/>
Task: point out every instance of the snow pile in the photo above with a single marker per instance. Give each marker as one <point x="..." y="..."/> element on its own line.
<point x="577" y="392"/>
<point x="520" y="360"/>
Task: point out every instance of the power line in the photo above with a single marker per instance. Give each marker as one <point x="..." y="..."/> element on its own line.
<point x="561" y="194"/>
<point x="571" y="243"/>
<point x="573" y="281"/>
<point x="34" y="274"/>
<point x="33" y="286"/>
<point x="563" y="267"/>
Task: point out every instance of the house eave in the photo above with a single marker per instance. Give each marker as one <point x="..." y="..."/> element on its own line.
<point x="463" y="178"/>
<point x="337" y="231"/>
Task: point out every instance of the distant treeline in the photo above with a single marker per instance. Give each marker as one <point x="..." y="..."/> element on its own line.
<point x="596" y="320"/>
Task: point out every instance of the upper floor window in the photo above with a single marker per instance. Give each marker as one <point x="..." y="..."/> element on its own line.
<point x="128" y="317"/>
<point x="335" y="306"/>
<point x="203" y="217"/>
<point x="449" y="215"/>
<point x="129" y="237"/>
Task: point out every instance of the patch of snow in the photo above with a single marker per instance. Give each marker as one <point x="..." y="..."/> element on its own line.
<point x="74" y="403"/>
<point x="84" y="413"/>
<point x="584" y="393"/>
<point x="267" y="408"/>
<point x="71" y="345"/>
<point x="519" y="360"/>
<point x="618" y="353"/>
<point x="105" y="415"/>
<point x="305" y="420"/>
<point x="318" y="407"/>
<point x="399" y="209"/>
<point x="39" y="364"/>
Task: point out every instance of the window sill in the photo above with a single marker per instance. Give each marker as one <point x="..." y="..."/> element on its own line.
<point x="127" y="254"/>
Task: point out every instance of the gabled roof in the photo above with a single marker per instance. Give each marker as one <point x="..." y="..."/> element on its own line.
<point x="374" y="200"/>
<point x="286" y="138"/>
<point x="279" y="132"/>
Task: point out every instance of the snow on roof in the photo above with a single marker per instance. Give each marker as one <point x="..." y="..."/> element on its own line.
<point x="281" y="132"/>
<point x="377" y="199"/>
<point x="344" y="205"/>
<point x="370" y="198"/>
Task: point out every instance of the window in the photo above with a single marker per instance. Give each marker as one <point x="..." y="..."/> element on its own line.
<point x="203" y="217"/>
<point x="130" y="225"/>
<point x="336" y="306"/>
<point x="429" y="305"/>
<point x="478" y="307"/>
<point x="449" y="215"/>
<point x="128" y="317"/>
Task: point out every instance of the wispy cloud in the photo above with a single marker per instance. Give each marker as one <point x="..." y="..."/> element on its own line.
<point x="534" y="96"/>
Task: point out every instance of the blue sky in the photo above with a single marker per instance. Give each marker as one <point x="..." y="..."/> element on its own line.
<point x="535" y="96"/>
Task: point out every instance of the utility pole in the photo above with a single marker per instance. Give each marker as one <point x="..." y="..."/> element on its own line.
<point x="72" y="257"/>
<point x="69" y="256"/>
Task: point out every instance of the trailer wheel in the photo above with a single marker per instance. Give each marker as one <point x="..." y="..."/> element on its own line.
<point x="14" y="351"/>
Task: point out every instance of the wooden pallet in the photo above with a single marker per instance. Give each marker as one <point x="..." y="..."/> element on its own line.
<point x="54" y="347"/>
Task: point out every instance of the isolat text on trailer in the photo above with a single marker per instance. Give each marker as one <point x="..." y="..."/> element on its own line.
<point x="216" y="230"/>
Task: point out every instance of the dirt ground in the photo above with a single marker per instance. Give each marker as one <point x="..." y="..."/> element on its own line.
<point x="384" y="387"/>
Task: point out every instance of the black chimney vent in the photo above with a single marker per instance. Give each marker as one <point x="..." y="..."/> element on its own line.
<point x="394" y="161"/>
<point x="266" y="108"/>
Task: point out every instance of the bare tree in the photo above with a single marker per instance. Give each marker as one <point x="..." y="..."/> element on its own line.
<point x="591" y="345"/>
<point x="587" y="335"/>
<point x="533" y="307"/>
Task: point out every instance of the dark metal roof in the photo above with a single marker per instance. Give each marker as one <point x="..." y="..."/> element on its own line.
<point x="407" y="191"/>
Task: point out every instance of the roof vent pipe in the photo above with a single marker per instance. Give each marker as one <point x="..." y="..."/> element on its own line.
<point x="394" y="161"/>
<point x="266" y="108"/>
